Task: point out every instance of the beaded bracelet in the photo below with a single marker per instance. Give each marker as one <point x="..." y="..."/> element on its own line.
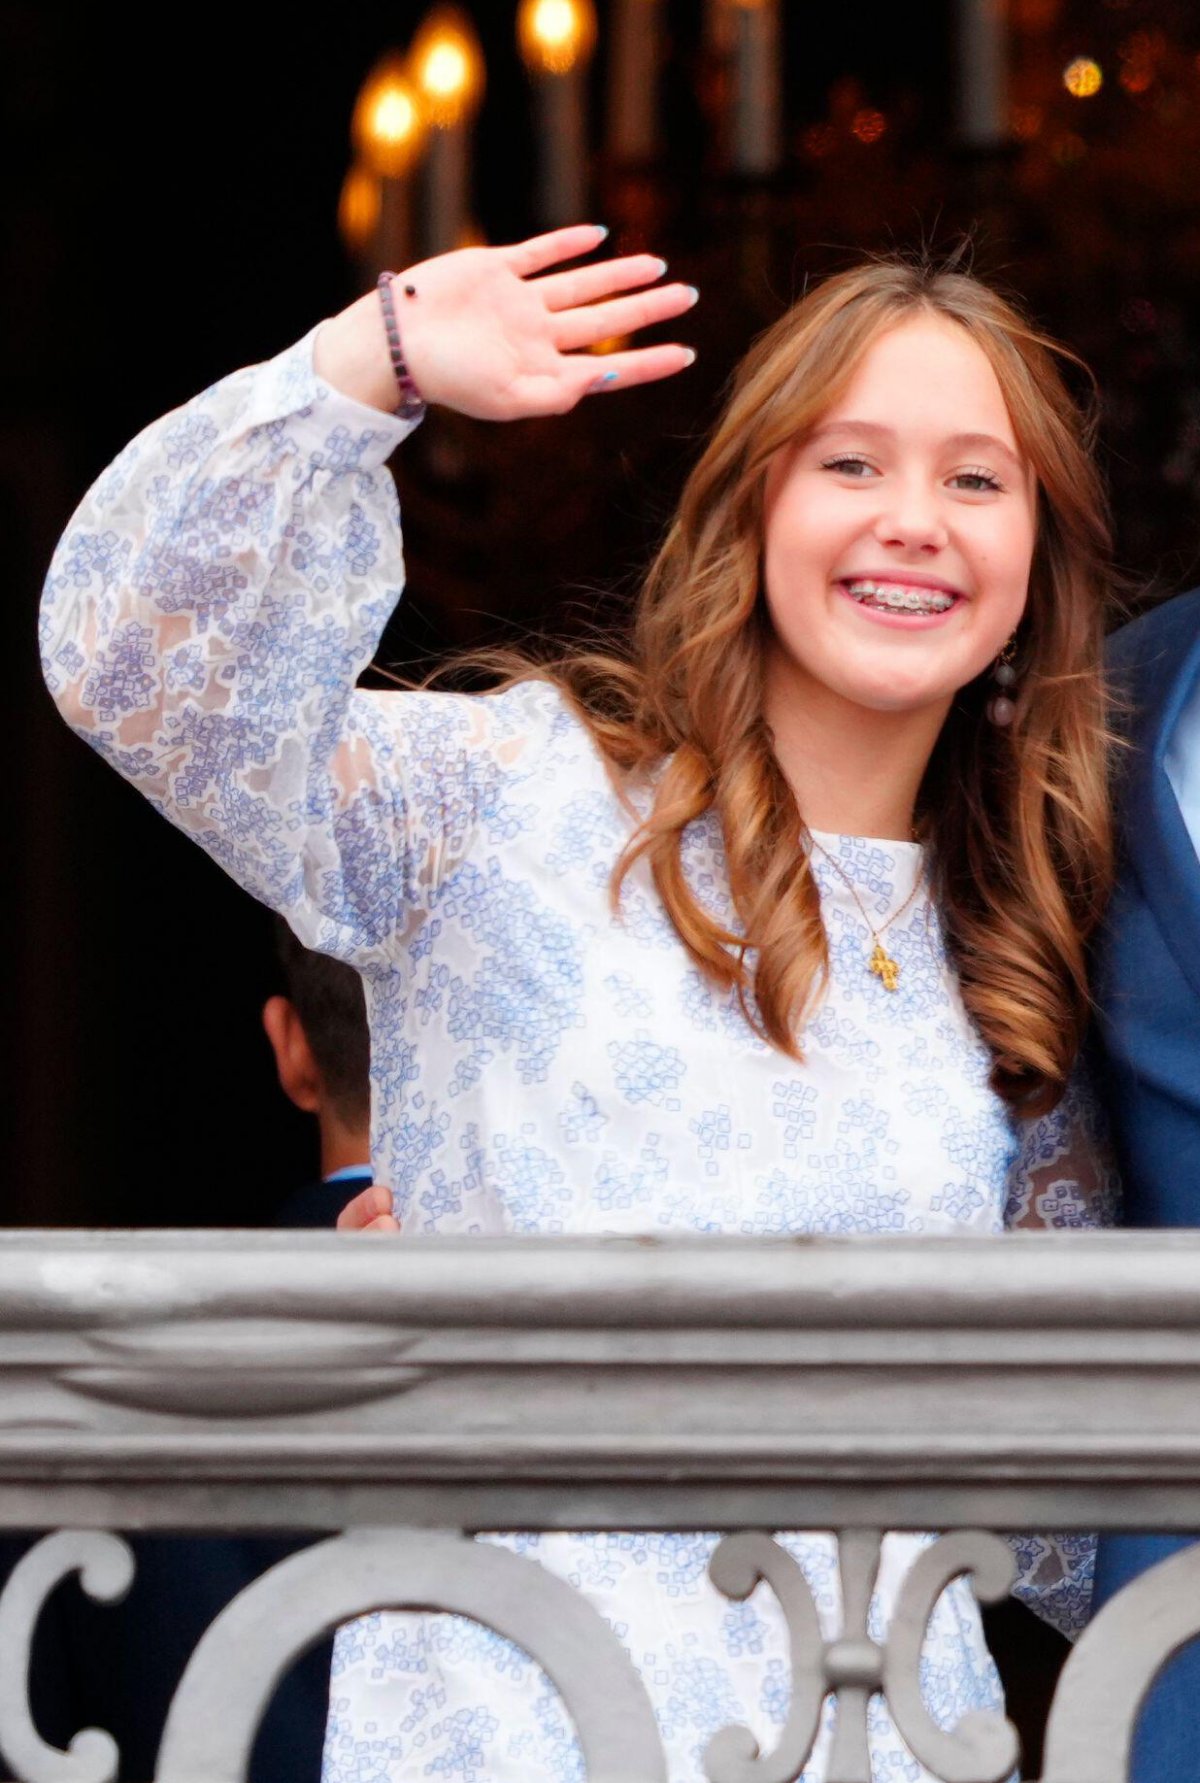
<point x="412" y="404"/>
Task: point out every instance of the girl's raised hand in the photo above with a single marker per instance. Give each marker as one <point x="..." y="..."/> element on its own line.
<point x="494" y="333"/>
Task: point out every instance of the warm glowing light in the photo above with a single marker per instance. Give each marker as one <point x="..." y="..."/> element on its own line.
<point x="358" y="208"/>
<point x="388" y="127"/>
<point x="1140" y="54"/>
<point x="1083" y="77"/>
<point x="446" y="65"/>
<point x="868" y="126"/>
<point x="444" y="73"/>
<point x="555" y="35"/>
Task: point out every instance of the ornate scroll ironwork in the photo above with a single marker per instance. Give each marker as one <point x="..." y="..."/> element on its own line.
<point x="739" y="1563"/>
<point x="105" y="1565"/>
<point x="982" y="1749"/>
<point x="232" y="1674"/>
<point x="237" y="1665"/>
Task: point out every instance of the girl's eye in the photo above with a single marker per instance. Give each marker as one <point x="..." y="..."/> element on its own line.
<point x="976" y="480"/>
<point x="850" y="464"/>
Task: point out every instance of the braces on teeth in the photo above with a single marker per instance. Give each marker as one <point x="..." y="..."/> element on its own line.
<point x="880" y="594"/>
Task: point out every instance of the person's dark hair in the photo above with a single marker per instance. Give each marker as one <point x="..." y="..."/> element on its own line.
<point x="328" y="998"/>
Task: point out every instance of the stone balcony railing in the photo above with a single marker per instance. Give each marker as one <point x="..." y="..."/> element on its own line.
<point x="400" y="1396"/>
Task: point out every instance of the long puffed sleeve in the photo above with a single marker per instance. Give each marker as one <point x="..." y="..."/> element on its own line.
<point x="205" y="618"/>
<point x="1064" y="1177"/>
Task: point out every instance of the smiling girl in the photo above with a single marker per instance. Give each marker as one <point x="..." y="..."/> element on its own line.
<point x="774" y="924"/>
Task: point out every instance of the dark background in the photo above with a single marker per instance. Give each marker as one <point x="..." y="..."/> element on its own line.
<point x="170" y="214"/>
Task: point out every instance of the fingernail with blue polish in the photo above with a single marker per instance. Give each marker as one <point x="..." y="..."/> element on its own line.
<point x="601" y="228"/>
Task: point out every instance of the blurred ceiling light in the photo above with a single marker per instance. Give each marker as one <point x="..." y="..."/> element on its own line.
<point x="1135" y="77"/>
<point x="358" y="208"/>
<point x="555" y="35"/>
<point x="446" y="65"/>
<point x="1083" y="77"/>
<point x="1140" y="55"/>
<point x="388" y="126"/>
<point x="868" y="125"/>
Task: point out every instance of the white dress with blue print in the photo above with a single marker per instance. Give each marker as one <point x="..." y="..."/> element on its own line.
<point x="538" y="1065"/>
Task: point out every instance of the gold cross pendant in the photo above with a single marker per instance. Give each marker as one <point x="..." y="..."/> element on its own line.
<point x="885" y="968"/>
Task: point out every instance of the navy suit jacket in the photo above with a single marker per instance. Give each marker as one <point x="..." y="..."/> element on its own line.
<point x="1146" y="970"/>
<point x="1146" y="978"/>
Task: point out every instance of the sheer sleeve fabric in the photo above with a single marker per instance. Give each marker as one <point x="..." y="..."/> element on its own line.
<point x="1064" y="1177"/>
<point x="205" y="618"/>
<point x="1065" y="1174"/>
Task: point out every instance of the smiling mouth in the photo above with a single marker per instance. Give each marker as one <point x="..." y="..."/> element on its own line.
<point x="898" y="597"/>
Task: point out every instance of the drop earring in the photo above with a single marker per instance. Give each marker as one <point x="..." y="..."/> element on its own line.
<point x="1001" y="708"/>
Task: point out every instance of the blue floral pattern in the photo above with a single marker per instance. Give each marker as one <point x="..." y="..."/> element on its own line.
<point x="538" y="1063"/>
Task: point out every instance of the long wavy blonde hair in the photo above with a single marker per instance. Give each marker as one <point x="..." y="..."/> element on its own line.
<point x="1017" y="820"/>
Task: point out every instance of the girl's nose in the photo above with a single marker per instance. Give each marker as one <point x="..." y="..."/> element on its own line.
<point x="913" y="521"/>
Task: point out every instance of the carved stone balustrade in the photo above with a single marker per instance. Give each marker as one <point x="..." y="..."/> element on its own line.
<point x="401" y="1395"/>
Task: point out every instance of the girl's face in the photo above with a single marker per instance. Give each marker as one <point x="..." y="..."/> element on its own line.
<point x="898" y="536"/>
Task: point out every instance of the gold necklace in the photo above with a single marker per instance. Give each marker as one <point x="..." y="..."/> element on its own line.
<point x="884" y="967"/>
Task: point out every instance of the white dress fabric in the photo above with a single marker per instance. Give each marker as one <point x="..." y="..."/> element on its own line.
<point x="538" y="1063"/>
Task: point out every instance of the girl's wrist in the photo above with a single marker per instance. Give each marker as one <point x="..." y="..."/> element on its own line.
<point x="351" y="352"/>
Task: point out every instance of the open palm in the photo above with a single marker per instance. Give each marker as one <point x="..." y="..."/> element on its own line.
<point x="483" y="335"/>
